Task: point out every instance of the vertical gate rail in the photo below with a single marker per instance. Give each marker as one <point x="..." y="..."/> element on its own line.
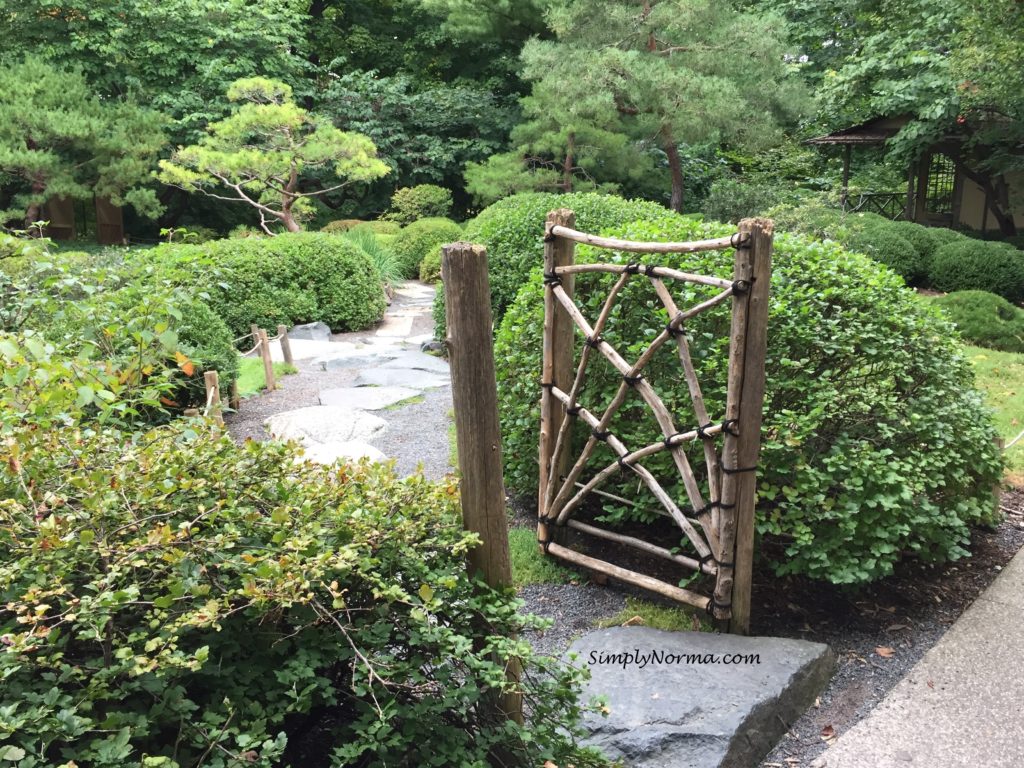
<point x="720" y="527"/>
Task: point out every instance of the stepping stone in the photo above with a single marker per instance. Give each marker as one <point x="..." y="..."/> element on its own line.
<point x="325" y="424"/>
<point x="356" y="358"/>
<point x="395" y="326"/>
<point x="366" y="398"/>
<point x="310" y="332"/>
<point x="400" y="377"/>
<point x="420" y="340"/>
<point x="683" y="711"/>
<point x="304" y="349"/>
<point x="418" y="361"/>
<point x="352" y="450"/>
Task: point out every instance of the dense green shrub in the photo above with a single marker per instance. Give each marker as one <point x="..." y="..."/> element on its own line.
<point x="924" y="240"/>
<point x="985" y="319"/>
<point x="875" y="442"/>
<point x="424" y="201"/>
<point x="734" y="199"/>
<point x="430" y="267"/>
<point x="341" y="225"/>
<point x="969" y="265"/>
<point x="170" y="598"/>
<point x="420" y="238"/>
<point x="945" y="236"/>
<point x="888" y="247"/>
<point x="382" y="257"/>
<point x="379" y="227"/>
<point x="288" y="279"/>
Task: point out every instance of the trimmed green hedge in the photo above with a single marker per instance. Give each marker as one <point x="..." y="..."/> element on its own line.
<point x="875" y="441"/>
<point x="424" y="201"/>
<point x="979" y="265"/>
<point x="985" y="319"/>
<point x="415" y="241"/>
<point x="889" y="247"/>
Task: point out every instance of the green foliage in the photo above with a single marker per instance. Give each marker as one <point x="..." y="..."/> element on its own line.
<point x="925" y="240"/>
<point x="671" y="618"/>
<point x="340" y="225"/>
<point x="423" y="201"/>
<point x="145" y="624"/>
<point x="529" y="566"/>
<point x="875" y="441"/>
<point x="287" y="279"/>
<point x="252" y="378"/>
<point x="380" y="227"/>
<point x="970" y="265"/>
<point x="266" y="153"/>
<point x="890" y="248"/>
<point x="985" y="319"/>
<point x="380" y="255"/>
<point x="1000" y="375"/>
<point x="59" y="139"/>
<point x="430" y="267"/>
<point x="734" y="200"/>
<point x="415" y="241"/>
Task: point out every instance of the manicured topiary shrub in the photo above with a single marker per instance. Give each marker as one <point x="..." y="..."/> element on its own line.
<point x="288" y="279"/>
<point x="430" y="267"/>
<point x="875" y="442"/>
<point x="418" y="239"/>
<point x="380" y="227"/>
<point x="888" y="247"/>
<point x="985" y="319"/>
<point x="966" y="265"/>
<point x="170" y="598"/>
<point x="341" y="225"/>
<point x="424" y="201"/>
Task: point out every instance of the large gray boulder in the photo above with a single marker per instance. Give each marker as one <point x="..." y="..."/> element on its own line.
<point x="670" y="705"/>
<point x="366" y="398"/>
<point x="325" y="424"/>
<point x="401" y="377"/>
<point x="310" y="332"/>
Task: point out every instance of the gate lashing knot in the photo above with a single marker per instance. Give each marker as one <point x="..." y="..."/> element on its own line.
<point x="708" y="558"/>
<point x="548" y="385"/>
<point x="552" y="278"/>
<point x="545" y="543"/>
<point x="738" y="470"/>
<point x="740" y="240"/>
<point x="632" y="381"/>
<point x="573" y="410"/>
<point x="593" y="341"/>
<point x="728" y="427"/>
<point x="602" y="436"/>
<point x="674" y="328"/>
<point x="623" y="464"/>
<point x="668" y="440"/>
<point x="714" y="605"/>
<point x="702" y="431"/>
<point x="632" y="269"/>
<point x="651" y="270"/>
<point x="741" y="287"/>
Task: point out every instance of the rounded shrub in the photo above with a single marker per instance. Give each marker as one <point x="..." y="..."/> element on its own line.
<point x="418" y="239"/>
<point x="341" y="225"/>
<point x="430" y="267"/>
<point x="379" y="227"/>
<point x="886" y="246"/>
<point x="735" y="199"/>
<point x="924" y="240"/>
<point x="424" y="201"/>
<point x="206" y="340"/>
<point x="875" y="441"/>
<point x="969" y="265"/>
<point x="181" y="596"/>
<point x="985" y="319"/>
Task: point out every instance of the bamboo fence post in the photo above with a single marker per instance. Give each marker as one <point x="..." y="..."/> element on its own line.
<point x="212" y="381"/>
<point x="751" y="400"/>
<point x="234" y="400"/>
<point x="268" y="363"/>
<point x="557" y="365"/>
<point x="286" y="345"/>
<point x="477" y="430"/>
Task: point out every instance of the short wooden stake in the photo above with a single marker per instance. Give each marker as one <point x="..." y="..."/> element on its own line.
<point x="268" y="363"/>
<point x="255" y="331"/>
<point x="286" y="346"/>
<point x="557" y="367"/>
<point x="212" y="381"/>
<point x="748" y="448"/>
<point x="477" y="431"/>
<point x="234" y="400"/>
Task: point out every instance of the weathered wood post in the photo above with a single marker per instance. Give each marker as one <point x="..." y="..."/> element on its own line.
<point x="286" y="346"/>
<point x="557" y="369"/>
<point x="477" y="432"/>
<point x="758" y="256"/>
<point x="235" y="399"/>
<point x="268" y="362"/>
<point x="212" y="381"/>
<point x="255" y="331"/>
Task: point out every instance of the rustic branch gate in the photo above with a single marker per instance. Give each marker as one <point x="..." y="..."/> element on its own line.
<point x="721" y="527"/>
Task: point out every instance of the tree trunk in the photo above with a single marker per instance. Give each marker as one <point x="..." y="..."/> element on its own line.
<point x="675" y="165"/>
<point x="1005" y="220"/>
<point x="34" y="212"/>
<point x="568" y="164"/>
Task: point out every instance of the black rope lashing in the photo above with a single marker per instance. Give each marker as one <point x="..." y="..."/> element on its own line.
<point x="724" y="564"/>
<point x="632" y="269"/>
<point x="651" y="270"/>
<point x="545" y="543"/>
<point x="738" y="470"/>
<point x="727" y="427"/>
<point x="623" y="464"/>
<point x="593" y="341"/>
<point x="714" y="605"/>
<point x="668" y="440"/>
<point x="573" y="410"/>
<point x="546" y="385"/>
<point x="702" y="431"/>
<point x="708" y="558"/>
<point x="552" y="278"/>
<point x="740" y="240"/>
<point x="632" y="381"/>
<point x="672" y="330"/>
<point x="741" y="287"/>
<point x="602" y="436"/>
<point x="550" y="237"/>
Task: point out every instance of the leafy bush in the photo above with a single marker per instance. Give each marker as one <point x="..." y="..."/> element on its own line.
<point x="341" y="225"/>
<point x="924" y="240"/>
<point x="985" y="319"/>
<point x="733" y="199"/>
<point x="174" y="599"/>
<point x="875" y="442"/>
<point x="379" y="227"/>
<point x="423" y="201"/>
<point x="888" y="247"/>
<point x="420" y="238"/>
<point x="430" y="267"/>
<point x="288" y="279"/>
<point x="382" y="257"/>
<point x="966" y="265"/>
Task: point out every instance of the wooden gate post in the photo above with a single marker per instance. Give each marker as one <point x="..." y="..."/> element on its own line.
<point x="751" y="398"/>
<point x="557" y="366"/>
<point x="286" y="346"/>
<point x="268" y="362"/>
<point x="212" y="381"/>
<point x="477" y="431"/>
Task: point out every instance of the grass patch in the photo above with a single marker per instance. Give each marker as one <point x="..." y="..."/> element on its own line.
<point x="250" y="375"/>
<point x="414" y="400"/>
<point x="671" y="618"/>
<point x="453" y="445"/>
<point x="529" y="566"/>
<point x="1000" y="375"/>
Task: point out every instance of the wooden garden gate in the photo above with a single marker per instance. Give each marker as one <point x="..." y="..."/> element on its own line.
<point x="720" y="524"/>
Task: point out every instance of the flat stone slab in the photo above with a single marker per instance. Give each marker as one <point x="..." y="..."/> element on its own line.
<point x="401" y="377"/>
<point x="310" y="332"/>
<point x="398" y="327"/>
<point x="305" y="349"/>
<point x="419" y="361"/>
<point x="696" y="699"/>
<point x="355" y="358"/>
<point x="325" y="424"/>
<point x="366" y="398"/>
<point x="353" y="450"/>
